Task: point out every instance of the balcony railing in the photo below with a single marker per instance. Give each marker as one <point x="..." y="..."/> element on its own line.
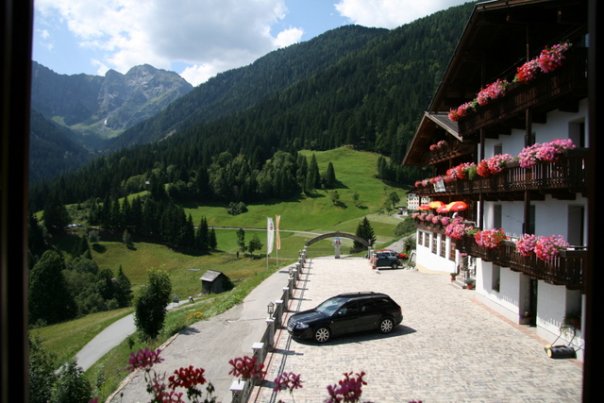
<point x="567" y="173"/>
<point x="565" y="269"/>
<point x="545" y="92"/>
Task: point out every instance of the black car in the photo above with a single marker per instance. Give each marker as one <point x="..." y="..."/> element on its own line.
<point x="346" y="313"/>
<point x="385" y="259"/>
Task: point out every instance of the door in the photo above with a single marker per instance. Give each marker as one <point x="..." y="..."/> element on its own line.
<point x="576" y="216"/>
<point x="346" y="319"/>
<point x="533" y="302"/>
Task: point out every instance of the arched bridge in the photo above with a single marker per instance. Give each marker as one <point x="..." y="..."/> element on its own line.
<point x="337" y="234"/>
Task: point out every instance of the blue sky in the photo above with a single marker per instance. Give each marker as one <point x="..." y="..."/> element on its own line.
<point x="196" y="38"/>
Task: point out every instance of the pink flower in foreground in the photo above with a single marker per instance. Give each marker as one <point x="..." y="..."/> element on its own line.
<point x="287" y="381"/>
<point x="144" y="358"/>
<point x="246" y="368"/>
<point x="348" y="389"/>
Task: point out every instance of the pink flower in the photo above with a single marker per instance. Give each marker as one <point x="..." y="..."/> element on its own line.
<point x="144" y="359"/>
<point x="527" y="71"/>
<point x="444" y="221"/>
<point x="546" y="152"/>
<point x="551" y="58"/>
<point x="497" y="162"/>
<point x="348" y="389"/>
<point x="246" y="368"/>
<point x="287" y="380"/>
<point x="548" y="247"/>
<point x="492" y="91"/>
<point x="490" y="238"/>
<point x="455" y="229"/>
<point x="526" y="245"/>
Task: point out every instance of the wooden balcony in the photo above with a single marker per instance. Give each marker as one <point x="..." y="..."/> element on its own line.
<point x="426" y="226"/>
<point x="549" y="91"/>
<point x="565" y="269"/>
<point x="563" y="178"/>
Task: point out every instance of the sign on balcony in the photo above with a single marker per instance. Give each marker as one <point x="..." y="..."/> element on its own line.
<point x="439" y="186"/>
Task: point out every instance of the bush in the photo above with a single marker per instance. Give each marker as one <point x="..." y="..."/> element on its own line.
<point x="237" y="208"/>
<point x="71" y="385"/>
<point x="407" y="226"/>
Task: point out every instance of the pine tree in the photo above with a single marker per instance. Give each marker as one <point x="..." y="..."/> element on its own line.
<point x="364" y="231"/>
<point x="212" y="242"/>
<point x="202" y="241"/>
<point x="49" y="297"/>
<point x="56" y="216"/>
<point x="330" y="181"/>
<point x="241" y="240"/>
<point x="123" y="289"/>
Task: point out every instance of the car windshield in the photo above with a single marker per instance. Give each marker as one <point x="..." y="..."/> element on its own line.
<point x="331" y="305"/>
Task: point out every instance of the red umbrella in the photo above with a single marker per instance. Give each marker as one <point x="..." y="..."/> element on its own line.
<point x="457" y="206"/>
<point x="424" y="207"/>
<point x="442" y="209"/>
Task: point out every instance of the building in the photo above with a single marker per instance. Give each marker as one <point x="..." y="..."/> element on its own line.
<point x="214" y="282"/>
<point x="506" y="133"/>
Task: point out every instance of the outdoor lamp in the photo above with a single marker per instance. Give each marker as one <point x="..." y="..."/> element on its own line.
<point x="270" y="308"/>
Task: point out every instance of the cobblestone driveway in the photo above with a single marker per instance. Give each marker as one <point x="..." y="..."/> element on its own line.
<point x="448" y="348"/>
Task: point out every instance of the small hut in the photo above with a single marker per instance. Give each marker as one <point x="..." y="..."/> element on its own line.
<point x="213" y="282"/>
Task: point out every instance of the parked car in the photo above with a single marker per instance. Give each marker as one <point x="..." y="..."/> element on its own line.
<point x="344" y="314"/>
<point x="385" y="259"/>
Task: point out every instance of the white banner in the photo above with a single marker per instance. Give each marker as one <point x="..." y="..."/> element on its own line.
<point x="270" y="235"/>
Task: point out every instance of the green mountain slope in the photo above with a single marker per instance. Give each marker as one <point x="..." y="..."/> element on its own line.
<point x="241" y="88"/>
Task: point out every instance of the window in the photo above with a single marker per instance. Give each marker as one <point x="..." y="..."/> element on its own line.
<point x="443" y="246"/>
<point x="420" y="238"/>
<point x="434" y="243"/>
<point x="496" y="278"/>
<point x="497" y="216"/>
<point x="576" y="216"/>
<point x="497" y="149"/>
<point x="576" y="132"/>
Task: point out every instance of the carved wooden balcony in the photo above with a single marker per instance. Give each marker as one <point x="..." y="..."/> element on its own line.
<point x="566" y="175"/>
<point x="430" y="227"/>
<point x="545" y="92"/>
<point x="565" y="269"/>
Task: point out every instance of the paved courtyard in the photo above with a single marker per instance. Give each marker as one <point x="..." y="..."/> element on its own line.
<point x="449" y="348"/>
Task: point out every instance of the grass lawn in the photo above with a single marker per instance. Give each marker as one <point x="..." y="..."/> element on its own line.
<point x="355" y="172"/>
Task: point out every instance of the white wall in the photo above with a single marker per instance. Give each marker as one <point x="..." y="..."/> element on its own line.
<point x="507" y="300"/>
<point x="426" y="260"/>
<point x="556" y="126"/>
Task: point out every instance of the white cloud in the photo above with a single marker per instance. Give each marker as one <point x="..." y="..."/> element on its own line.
<point x="210" y="35"/>
<point x="288" y="37"/>
<point x="390" y="13"/>
<point x="200" y="73"/>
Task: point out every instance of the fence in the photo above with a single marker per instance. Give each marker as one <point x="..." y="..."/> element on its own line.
<point x="242" y="388"/>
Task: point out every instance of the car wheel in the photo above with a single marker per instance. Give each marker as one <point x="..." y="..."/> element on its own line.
<point x="395" y="265"/>
<point x="322" y="334"/>
<point x="386" y="325"/>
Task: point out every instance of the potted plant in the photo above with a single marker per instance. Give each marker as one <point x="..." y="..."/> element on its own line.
<point x="470" y="283"/>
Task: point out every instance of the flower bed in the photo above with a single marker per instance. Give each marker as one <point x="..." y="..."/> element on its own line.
<point x="550" y="59"/>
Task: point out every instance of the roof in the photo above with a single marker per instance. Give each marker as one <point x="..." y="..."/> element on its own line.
<point x="432" y="127"/>
<point x="211" y="275"/>
<point x="497" y="34"/>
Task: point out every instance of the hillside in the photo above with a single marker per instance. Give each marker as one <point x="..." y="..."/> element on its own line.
<point x="103" y="107"/>
<point x="371" y="99"/>
<point x="53" y="149"/>
<point x="238" y="89"/>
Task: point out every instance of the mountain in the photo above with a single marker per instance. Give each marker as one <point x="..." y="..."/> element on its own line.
<point x="239" y="89"/>
<point x="103" y="107"/>
<point x="370" y="98"/>
<point x="53" y="149"/>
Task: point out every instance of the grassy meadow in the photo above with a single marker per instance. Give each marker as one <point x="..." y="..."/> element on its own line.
<point x="301" y="220"/>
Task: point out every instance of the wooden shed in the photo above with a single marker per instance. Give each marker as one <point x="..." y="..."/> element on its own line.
<point x="213" y="282"/>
